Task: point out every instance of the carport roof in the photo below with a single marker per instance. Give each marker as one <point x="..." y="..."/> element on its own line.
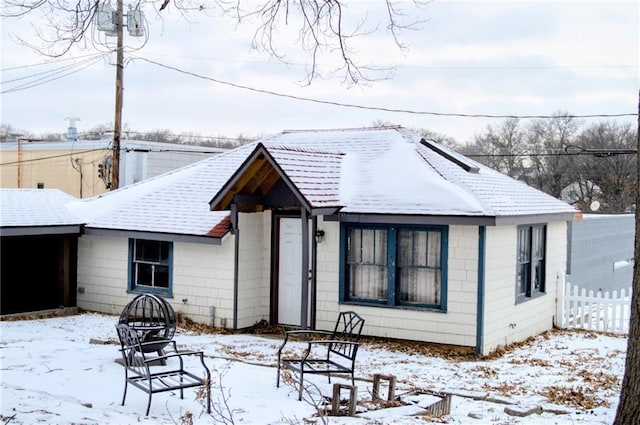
<point x="26" y="212"/>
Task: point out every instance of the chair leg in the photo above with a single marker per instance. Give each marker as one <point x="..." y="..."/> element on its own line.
<point x="124" y="395"/>
<point x="208" y="397"/>
<point x="278" y="377"/>
<point x="149" y="404"/>
<point x="301" y="385"/>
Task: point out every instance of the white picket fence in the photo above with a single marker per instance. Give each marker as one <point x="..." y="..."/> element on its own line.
<point x="607" y="311"/>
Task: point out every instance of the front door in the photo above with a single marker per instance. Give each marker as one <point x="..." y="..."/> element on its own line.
<point x="289" y="271"/>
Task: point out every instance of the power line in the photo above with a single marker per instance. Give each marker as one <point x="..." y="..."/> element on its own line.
<point x="106" y="149"/>
<point x="54" y="156"/>
<point x="53" y="71"/>
<point x="49" y="62"/>
<point x="377" y="108"/>
<point x="39" y="81"/>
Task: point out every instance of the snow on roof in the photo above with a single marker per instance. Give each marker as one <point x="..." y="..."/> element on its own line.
<point x="384" y="170"/>
<point x="36" y="208"/>
<point x="316" y="173"/>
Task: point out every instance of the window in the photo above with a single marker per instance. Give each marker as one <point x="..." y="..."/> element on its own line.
<point x="150" y="266"/>
<point x="395" y="266"/>
<point x="531" y="263"/>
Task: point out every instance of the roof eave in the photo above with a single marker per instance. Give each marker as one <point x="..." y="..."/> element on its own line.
<point x="66" y="229"/>
<point x="157" y="236"/>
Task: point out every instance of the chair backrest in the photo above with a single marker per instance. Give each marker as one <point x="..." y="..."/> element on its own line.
<point x="348" y="328"/>
<point x="130" y="346"/>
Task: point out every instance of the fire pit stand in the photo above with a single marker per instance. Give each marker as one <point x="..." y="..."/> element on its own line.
<point x="153" y="319"/>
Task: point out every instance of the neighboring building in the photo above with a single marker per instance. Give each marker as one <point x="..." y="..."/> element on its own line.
<point x="424" y="243"/>
<point x="82" y="167"/>
<point x="601" y="252"/>
<point x="38" y="247"/>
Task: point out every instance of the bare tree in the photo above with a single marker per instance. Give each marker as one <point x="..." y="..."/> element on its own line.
<point x="324" y="27"/>
<point x="607" y="164"/>
<point x="502" y="147"/>
<point x="551" y="169"/>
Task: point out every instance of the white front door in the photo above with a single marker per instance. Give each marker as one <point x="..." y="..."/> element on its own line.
<point x="289" y="271"/>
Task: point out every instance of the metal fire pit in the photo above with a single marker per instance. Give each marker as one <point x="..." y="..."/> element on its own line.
<point x="153" y="319"/>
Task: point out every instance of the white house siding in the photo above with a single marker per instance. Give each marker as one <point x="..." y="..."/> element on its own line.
<point x="102" y="274"/>
<point x="202" y="277"/>
<point x="456" y="326"/>
<point x="505" y="321"/>
<point x="254" y="268"/>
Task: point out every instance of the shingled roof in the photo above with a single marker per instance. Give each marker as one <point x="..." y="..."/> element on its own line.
<point x="36" y="212"/>
<point x="383" y="170"/>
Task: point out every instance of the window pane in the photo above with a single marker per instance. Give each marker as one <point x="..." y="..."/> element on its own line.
<point x="371" y="246"/>
<point x="368" y="282"/>
<point x="433" y="249"/>
<point x="522" y="279"/>
<point x="524" y="245"/>
<point x="538" y="242"/>
<point x="412" y="248"/>
<point x="144" y="274"/>
<point x="149" y="251"/>
<point x="161" y="277"/>
<point x="355" y="246"/>
<point x="420" y="286"/>
<point x="419" y="266"/>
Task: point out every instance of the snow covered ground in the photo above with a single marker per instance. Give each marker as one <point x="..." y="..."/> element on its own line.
<point x="50" y="373"/>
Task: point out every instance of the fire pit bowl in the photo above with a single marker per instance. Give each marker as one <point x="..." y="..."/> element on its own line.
<point x="153" y="319"/>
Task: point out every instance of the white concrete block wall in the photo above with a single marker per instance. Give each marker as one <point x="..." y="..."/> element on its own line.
<point x="505" y="321"/>
<point x="456" y="326"/>
<point x="202" y="275"/>
<point x="253" y="269"/>
<point x="102" y="274"/>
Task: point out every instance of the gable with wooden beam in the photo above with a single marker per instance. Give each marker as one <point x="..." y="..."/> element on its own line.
<point x="281" y="176"/>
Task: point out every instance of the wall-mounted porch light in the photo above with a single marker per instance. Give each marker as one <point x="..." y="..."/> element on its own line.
<point x="319" y="236"/>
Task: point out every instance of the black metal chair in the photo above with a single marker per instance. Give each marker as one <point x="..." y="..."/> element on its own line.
<point x="338" y="356"/>
<point x="137" y="368"/>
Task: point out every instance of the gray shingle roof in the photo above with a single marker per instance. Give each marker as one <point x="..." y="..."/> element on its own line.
<point x="36" y="208"/>
<point x="381" y="171"/>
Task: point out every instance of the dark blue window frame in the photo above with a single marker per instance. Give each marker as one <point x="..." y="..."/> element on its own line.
<point x="150" y="271"/>
<point x="391" y="294"/>
<point x="531" y="262"/>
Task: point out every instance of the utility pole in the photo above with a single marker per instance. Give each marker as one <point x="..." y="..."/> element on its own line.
<point x="115" y="170"/>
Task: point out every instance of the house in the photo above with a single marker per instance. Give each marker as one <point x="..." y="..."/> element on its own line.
<point x="38" y="249"/>
<point x="424" y="243"/>
<point x="82" y="168"/>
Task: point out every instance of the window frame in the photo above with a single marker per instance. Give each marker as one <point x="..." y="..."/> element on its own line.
<point x="133" y="286"/>
<point x="393" y="271"/>
<point x="530" y="278"/>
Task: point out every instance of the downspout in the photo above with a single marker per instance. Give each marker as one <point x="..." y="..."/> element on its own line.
<point x="19" y="161"/>
<point x="314" y="264"/>
<point x="304" y="275"/>
<point x="236" y="261"/>
<point x="482" y="239"/>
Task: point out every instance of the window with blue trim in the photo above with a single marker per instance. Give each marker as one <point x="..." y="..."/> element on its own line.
<point x="530" y="273"/>
<point x="395" y="265"/>
<point x="150" y="266"/>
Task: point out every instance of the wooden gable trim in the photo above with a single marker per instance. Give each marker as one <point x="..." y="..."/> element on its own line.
<point x="252" y="180"/>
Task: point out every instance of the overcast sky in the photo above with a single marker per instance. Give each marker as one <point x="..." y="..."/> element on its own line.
<point x="473" y="57"/>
